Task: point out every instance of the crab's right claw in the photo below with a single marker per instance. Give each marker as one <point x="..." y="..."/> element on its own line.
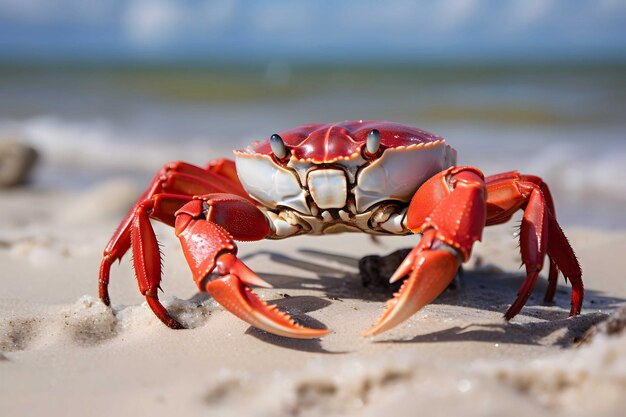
<point x="232" y="293"/>
<point x="430" y="272"/>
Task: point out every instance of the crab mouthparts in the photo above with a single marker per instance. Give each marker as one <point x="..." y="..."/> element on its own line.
<point x="328" y="187"/>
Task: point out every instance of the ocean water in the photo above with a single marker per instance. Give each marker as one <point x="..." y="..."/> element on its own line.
<point x="565" y="124"/>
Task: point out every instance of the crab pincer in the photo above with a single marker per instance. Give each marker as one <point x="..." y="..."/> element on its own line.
<point x="208" y="246"/>
<point x="429" y="273"/>
<point x="233" y="293"/>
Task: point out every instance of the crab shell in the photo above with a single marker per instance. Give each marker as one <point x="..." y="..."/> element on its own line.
<point x="327" y="167"/>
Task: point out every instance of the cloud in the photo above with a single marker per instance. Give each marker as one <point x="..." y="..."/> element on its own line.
<point x="153" y="21"/>
<point x="525" y="14"/>
<point x="158" y="22"/>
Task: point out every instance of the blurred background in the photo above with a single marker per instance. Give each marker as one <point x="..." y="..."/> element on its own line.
<point x="110" y="88"/>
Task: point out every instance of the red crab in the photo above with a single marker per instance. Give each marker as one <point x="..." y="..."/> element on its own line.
<point x="365" y="176"/>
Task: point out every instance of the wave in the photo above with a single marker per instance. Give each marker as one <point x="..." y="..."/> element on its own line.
<point x="583" y="166"/>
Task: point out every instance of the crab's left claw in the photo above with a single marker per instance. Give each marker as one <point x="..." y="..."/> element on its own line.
<point x="430" y="272"/>
<point x="208" y="245"/>
<point x="235" y="296"/>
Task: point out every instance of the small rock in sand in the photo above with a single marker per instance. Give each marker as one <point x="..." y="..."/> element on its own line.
<point x="16" y="162"/>
<point x="375" y="270"/>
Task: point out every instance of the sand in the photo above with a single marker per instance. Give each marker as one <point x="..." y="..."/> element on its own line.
<point x="63" y="353"/>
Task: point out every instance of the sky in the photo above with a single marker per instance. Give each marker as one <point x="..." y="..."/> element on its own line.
<point x="313" y="31"/>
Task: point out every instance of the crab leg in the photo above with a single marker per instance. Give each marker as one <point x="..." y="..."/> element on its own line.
<point x="449" y="209"/>
<point x="146" y="255"/>
<point x="178" y="178"/>
<point x="540" y="234"/>
<point x="207" y="228"/>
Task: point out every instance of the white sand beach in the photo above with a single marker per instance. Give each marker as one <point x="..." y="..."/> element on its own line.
<point x="63" y="353"/>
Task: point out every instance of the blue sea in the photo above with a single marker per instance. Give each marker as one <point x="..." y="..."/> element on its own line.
<point x="565" y="123"/>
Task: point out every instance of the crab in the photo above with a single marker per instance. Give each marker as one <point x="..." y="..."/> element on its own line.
<point x="375" y="177"/>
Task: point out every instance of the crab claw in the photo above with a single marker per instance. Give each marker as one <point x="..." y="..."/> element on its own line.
<point x="230" y="264"/>
<point x="232" y="293"/>
<point x="430" y="272"/>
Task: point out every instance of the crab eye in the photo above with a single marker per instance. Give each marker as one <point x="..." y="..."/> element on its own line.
<point x="372" y="144"/>
<point x="278" y="146"/>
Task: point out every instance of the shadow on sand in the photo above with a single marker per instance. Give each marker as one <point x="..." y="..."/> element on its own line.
<point x="487" y="288"/>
